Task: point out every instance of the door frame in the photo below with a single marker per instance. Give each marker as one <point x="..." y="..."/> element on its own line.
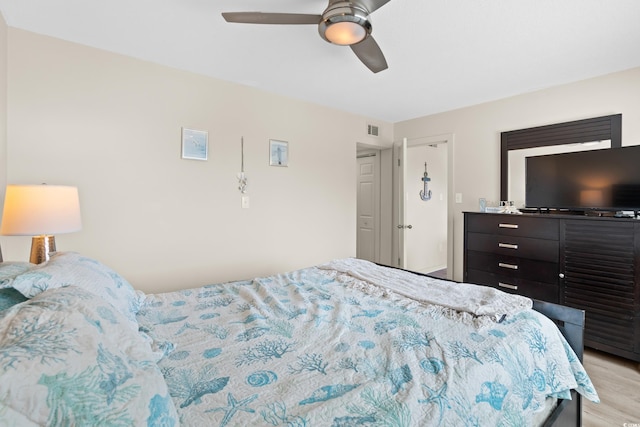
<point x="449" y="139"/>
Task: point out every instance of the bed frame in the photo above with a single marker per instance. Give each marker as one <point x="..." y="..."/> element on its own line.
<point x="570" y="321"/>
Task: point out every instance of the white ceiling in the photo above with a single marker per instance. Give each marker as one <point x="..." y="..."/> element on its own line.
<point x="442" y="54"/>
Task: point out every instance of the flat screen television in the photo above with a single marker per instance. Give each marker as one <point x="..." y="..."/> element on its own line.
<point x="603" y="180"/>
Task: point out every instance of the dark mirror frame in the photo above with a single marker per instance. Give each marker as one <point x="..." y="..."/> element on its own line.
<point x="578" y="131"/>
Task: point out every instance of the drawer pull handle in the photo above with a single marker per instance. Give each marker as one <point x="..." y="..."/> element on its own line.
<point x="511" y="266"/>
<point x="507" y="245"/>
<point x="508" y="286"/>
<point x="502" y="225"/>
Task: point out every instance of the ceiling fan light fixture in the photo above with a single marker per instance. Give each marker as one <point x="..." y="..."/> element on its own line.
<point x="345" y="33"/>
<point x="344" y="24"/>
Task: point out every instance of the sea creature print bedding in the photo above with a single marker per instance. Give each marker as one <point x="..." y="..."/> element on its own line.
<point x="323" y="347"/>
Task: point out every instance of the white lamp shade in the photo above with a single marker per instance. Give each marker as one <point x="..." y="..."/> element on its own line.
<point x="31" y="210"/>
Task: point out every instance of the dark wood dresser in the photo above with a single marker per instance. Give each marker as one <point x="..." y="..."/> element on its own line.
<point x="591" y="263"/>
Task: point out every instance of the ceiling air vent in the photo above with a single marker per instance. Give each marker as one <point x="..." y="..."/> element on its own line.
<point x="372" y="130"/>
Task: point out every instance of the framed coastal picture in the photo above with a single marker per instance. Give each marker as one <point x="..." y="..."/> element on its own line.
<point x="195" y="144"/>
<point x="278" y="153"/>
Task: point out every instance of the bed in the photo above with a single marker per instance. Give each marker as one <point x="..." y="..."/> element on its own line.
<point x="347" y="343"/>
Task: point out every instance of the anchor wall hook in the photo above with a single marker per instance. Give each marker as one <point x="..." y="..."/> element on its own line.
<point x="425" y="194"/>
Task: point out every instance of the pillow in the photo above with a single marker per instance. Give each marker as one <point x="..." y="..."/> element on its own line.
<point x="9" y="270"/>
<point x="9" y="298"/>
<point x="66" y="359"/>
<point x="70" y="268"/>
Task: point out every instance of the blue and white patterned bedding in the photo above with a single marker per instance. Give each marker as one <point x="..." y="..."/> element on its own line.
<point x="68" y="357"/>
<point x="70" y="350"/>
<point x="308" y="348"/>
<point x="314" y="347"/>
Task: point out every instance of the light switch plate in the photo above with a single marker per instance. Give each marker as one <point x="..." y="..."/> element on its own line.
<point x="458" y="197"/>
<point x="245" y="202"/>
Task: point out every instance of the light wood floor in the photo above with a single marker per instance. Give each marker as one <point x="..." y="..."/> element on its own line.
<point x="617" y="382"/>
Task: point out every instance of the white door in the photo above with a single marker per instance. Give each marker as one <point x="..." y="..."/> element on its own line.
<point x="426" y="208"/>
<point x="408" y="234"/>
<point x="367" y="207"/>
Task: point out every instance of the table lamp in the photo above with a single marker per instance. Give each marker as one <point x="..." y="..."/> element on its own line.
<point x="40" y="211"/>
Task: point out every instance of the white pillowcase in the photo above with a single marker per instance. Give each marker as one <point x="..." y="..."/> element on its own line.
<point x="10" y="269"/>
<point x="70" y="268"/>
<point x="66" y="358"/>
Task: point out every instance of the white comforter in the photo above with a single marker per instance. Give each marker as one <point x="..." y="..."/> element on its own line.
<point x="462" y="297"/>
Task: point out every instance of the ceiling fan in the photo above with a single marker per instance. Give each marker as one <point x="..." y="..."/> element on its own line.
<point x="343" y="22"/>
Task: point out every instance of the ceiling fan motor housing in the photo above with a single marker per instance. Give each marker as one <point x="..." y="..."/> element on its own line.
<point x="354" y="19"/>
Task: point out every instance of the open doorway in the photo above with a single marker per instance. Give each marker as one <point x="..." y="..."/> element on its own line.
<point x="426" y="208"/>
<point x="374" y="204"/>
<point x="423" y="229"/>
<point x="385" y="244"/>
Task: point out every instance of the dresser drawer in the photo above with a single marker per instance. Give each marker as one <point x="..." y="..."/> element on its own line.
<point x="522" y="247"/>
<point x="528" y="288"/>
<point x="514" y="267"/>
<point x="513" y="225"/>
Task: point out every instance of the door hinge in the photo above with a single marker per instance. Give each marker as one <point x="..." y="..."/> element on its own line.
<point x="398" y="162"/>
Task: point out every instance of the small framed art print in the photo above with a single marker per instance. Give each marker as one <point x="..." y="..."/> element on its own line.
<point x="195" y="144"/>
<point x="278" y="153"/>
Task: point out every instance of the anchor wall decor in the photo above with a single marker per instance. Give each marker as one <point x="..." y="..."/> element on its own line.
<point x="425" y="194"/>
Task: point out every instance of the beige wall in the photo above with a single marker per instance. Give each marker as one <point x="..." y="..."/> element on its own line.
<point x="3" y="109"/>
<point x="111" y="125"/>
<point x="477" y="130"/>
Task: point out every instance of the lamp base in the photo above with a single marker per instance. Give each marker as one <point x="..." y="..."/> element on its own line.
<point x="41" y="247"/>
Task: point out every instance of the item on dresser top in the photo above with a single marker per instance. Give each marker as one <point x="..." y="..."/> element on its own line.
<point x="495" y="209"/>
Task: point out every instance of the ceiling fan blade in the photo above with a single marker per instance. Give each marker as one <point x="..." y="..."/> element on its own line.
<point x="271" y="18"/>
<point x="370" y="54"/>
<point x="372" y="5"/>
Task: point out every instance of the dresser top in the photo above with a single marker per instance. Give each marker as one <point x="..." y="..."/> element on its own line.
<point x="553" y="214"/>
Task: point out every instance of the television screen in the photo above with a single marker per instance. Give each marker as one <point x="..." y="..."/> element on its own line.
<point x="599" y="179"/>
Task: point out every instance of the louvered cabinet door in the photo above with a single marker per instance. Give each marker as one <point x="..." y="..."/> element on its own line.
<point x="599" y="263"/>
